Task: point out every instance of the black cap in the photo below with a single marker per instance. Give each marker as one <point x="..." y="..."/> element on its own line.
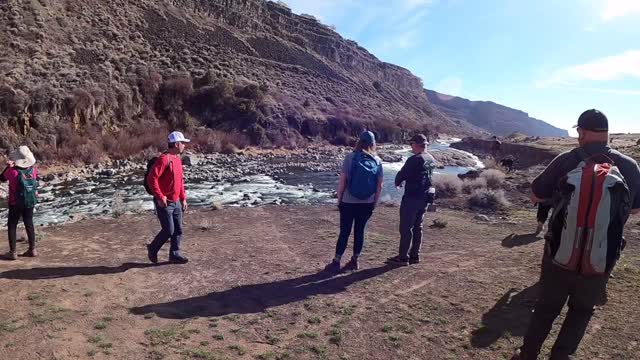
<point x="419" y="139"/>
<point x="593" y="120"/>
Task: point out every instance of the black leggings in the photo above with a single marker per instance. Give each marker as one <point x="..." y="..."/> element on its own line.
<point x="15" y="214"/>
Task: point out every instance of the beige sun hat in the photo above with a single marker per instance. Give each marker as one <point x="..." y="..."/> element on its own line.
<point x="23" y="157"/>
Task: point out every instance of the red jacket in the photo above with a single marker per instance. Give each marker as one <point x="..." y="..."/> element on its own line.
<point x="167" y="179"/>
<point x="11" y="174"/>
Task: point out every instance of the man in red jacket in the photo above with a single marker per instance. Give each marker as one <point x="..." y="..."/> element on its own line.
<point x="166" y="182"/>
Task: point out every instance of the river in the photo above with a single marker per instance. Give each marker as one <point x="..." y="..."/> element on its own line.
<point x="105" y="196"/>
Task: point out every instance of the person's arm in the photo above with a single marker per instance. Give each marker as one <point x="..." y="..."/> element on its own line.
<point x="342" y="184"/>
<point x="342" y="181"/>
<point x="543" y="186"/>
<point x="379" y="187"/>
<point x="183" y="197"/>
<point x="3" y="178"/>
<point x="154" y="179"/>
<point x="403" y="174"/>
<point x="634" y="186"/>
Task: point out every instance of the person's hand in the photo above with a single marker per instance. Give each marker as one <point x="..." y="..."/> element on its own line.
<point x="534" y="199"/>
<point x="185" y="206"/>
<point x="162" y="202"/>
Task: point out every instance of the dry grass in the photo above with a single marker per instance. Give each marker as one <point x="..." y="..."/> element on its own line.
<point x="488" y="199"/>
<point x="447" y="185"/>
<point x="469" y="186"/>
<point x="494" y="178"/>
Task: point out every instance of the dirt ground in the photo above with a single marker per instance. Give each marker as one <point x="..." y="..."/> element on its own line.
<point x="252" y="291"/>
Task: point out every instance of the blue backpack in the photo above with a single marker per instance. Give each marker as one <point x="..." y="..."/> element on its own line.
<point x="363" y="178"/>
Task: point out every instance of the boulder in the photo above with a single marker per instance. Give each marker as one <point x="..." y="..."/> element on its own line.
<point x="471" y="174"/>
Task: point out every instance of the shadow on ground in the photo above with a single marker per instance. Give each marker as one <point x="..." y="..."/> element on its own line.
<point x="69" y="271"/>
<point x="256" y="298"/>
<point x="511" y="314"/>
<point x="515" y="240"/>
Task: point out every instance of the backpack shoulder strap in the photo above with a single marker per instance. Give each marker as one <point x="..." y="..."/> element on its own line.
<point x="581" y="154"/>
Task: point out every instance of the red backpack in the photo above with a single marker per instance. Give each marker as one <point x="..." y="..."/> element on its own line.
<point x="586" y="226"/>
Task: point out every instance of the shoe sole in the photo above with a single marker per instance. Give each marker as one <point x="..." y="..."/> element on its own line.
<point x="181" y="262"/>
<point x="396" y="263"/>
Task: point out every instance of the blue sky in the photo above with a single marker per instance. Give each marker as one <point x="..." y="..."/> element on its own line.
<point x="551" y="59"/>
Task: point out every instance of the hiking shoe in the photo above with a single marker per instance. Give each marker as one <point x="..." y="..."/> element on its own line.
<point x="30" y="253"/>
<point x="153" y="257"/>
<point x="12" y="255"/>
<point x="518" y="355"/>
<point x="397" y="261"/>
<point x="333" y="266"/>
<point x="539" y="228"/>
<point x="178" y="259"/>
<point x="414" y="261"/>
<point x="352" y="265"/>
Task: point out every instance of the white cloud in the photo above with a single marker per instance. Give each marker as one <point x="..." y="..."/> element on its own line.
<point x="609" y="68"/>
<point x="612" y="9"/>
<point x="606" y="90"/>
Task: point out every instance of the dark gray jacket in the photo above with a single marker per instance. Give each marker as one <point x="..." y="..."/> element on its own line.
<point x="417" y="173"/>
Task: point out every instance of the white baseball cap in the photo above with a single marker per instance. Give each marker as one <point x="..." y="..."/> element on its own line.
<point x="177" y="136"/>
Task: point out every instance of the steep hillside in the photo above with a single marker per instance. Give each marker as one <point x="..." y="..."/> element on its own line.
<point x="109" y="71"/>
<point x="494" y="118"/>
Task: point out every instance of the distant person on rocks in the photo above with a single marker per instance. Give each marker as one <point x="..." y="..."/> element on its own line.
<point x="496" y="146"/>
<point x="598" y="188"/>
<point x="359" y="190"/>
<point x="416" y="174"/>
<point x="22" y="175"/>
<point x="166" y="182"/>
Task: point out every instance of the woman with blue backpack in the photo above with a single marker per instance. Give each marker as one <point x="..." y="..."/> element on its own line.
<point x="22" y="174"/>
<point x="359" y="189"/>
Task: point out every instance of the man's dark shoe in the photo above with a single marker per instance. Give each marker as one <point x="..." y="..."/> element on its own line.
<point x="352" y="265"/>
<point x="178" y="259"/>
<point x="30" y="253"/>
<point x="333" y="266"/>
<point x="153" y="257"/>
<point x="414" y="261"/>
<point x="12" y="255"/>
<point x="397" y="261"/>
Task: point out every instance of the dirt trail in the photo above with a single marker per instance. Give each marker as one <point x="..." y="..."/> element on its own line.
<point x="252" y="291"/>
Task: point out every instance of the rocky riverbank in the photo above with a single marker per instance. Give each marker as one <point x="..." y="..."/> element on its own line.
<point x="230" y="167"/>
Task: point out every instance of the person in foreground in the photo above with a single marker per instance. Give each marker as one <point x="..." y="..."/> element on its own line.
<point x="22" y="175"/>
<point x="416" y="173"/>
<point x="166" y="183"/>
<point x="359" y="189"/>
<point x="596" y="188"/>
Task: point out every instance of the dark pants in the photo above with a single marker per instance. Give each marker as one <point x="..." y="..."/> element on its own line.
<point x="15" y="214"/>
<point x="543" y="213"/>
<point x="411" y="217"/>
<point x="356" y="216"/>
<point x="558" y="285"/>
<point x="171" y="222"/>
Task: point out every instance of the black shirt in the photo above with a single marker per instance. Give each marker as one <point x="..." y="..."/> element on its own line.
<point x="546" y="183"/>
<point x="417" y="172"/>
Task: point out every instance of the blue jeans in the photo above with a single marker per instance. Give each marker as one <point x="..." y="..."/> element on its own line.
<point x="356" y="216"/>
<point x="171" y="221"/>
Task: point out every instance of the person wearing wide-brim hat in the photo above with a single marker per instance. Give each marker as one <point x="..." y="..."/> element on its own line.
<point x="22" y="174"/>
